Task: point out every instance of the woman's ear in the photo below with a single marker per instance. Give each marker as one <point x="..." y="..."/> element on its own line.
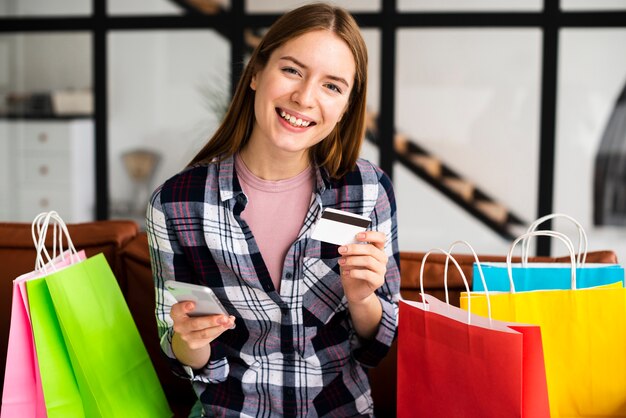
<point x="253" y="82"/>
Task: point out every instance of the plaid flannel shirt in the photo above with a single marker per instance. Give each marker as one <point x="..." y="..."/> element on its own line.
<point x="293" y="353"/>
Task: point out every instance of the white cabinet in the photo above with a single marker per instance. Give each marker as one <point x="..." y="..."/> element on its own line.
<point x="47" y="165"/>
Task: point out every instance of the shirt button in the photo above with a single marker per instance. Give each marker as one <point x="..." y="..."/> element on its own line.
<point x="288" y="275"/>
<point x="290" y="392"/>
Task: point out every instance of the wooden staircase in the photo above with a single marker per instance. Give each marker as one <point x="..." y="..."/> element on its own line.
<point x="464" y="193"/>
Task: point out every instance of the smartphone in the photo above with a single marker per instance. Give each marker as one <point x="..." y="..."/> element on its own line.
<point x="206" y="301"/>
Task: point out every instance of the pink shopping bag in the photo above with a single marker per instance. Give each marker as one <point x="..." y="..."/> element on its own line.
<point x="22" y="395"/>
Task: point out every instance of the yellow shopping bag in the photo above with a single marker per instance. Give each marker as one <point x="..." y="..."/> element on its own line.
<point x="584" y="341"/>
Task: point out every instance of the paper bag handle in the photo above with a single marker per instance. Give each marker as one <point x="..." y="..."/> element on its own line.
<point x="582" y="238"/>
<point x="562" y="237"/>
<point x="39" y="231"/>
<point x="480" y="272"/>
<point x="448" y="257"/>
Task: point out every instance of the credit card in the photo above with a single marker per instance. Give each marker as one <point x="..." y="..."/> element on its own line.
<point x="339" y="227"/>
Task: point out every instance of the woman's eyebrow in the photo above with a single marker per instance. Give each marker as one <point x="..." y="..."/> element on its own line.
<point x="298" y="63"/>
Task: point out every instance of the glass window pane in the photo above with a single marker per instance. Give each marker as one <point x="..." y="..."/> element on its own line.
<point x="467" y="102"/>
<point x="570" y="5"/>
<point x="590" y="171"/>
<point x="167" y="94"/>
<point x="369" y="150"/>
<point x="165" y="7"/>
<point x="271" y="6"/>
<point x="31" y="8"/>
<point x="46" y="130"/>
<point x="469" y="5"/>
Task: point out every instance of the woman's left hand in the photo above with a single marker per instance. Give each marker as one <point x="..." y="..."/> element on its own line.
<point x="363" y="266"/>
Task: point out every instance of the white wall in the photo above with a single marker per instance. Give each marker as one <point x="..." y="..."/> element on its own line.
<point x="146" y="7"/>
<point x="469" y="5"/>
<point x="270" y="6"/>
<point x="592" y="73"/>
<point x="45" y="8"/>
<point x="471" y="98"/>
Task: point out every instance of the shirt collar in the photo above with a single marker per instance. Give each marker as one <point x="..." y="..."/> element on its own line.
<point x="227" y="180"/>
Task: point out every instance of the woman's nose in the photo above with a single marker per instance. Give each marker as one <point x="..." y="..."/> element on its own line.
<point x="304" y="95"/>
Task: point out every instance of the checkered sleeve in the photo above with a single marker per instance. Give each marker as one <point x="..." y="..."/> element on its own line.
<point x="168" y="262"/>
<point x="370" y="353"/>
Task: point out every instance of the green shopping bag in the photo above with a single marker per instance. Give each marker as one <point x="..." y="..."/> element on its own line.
<point x="59" y="384"/>
<point x="112" y="368"/>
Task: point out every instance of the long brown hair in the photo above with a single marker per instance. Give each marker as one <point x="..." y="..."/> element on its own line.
<point x="339" y="151"/>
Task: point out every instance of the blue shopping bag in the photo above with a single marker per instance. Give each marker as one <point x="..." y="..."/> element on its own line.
<point x="544" y="276"/>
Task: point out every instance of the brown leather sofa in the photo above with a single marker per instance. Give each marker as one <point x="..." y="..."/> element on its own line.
<point x="126" y="250"/>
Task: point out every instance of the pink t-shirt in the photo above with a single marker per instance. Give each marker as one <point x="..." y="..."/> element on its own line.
<point x="275" y="213"/>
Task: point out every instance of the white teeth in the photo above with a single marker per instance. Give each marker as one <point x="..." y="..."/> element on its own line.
<point x="293" y="120"/>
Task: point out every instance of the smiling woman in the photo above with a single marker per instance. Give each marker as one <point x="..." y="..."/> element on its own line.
<point x="339" y="151"/>
<point x="310" y="315"/>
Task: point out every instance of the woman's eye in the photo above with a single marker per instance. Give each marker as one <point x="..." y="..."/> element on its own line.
<point x="290" y="70"/>
<point x="333" y="87"/>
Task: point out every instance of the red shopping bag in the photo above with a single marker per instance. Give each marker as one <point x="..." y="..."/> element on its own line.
<point x="451" y="364"/>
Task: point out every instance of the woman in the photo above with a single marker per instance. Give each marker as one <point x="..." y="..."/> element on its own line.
<point x="306" y="316"/>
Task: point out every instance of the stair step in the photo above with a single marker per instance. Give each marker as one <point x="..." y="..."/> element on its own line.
<point x="494" y="215"/>
<point x="429" y="164"/>
<point x="495" y="211"/>
<point x="463" y="188"/>
<point x="401" y="143"/>
<point x="370" y="123"/>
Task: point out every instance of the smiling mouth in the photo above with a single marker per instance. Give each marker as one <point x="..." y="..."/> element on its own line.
<point x="294" y="121"/>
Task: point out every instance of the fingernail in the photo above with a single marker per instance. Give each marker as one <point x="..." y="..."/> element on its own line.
<point x="361" y="235"/>
<point x="342" y="250"/>
<point x="342" y="261"/>
<point x="222" y="320"/>
<point x="189" y="306"/>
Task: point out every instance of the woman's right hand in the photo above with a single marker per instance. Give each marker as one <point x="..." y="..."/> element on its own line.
<point x="192" y="338"/>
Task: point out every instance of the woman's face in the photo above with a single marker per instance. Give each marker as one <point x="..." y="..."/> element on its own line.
<point x="302" y="92"/>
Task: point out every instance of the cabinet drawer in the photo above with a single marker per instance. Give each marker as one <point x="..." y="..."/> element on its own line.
<point x="46" y="136"/>
<point x="45" y="170"/>
<point x="31" y="202"/>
